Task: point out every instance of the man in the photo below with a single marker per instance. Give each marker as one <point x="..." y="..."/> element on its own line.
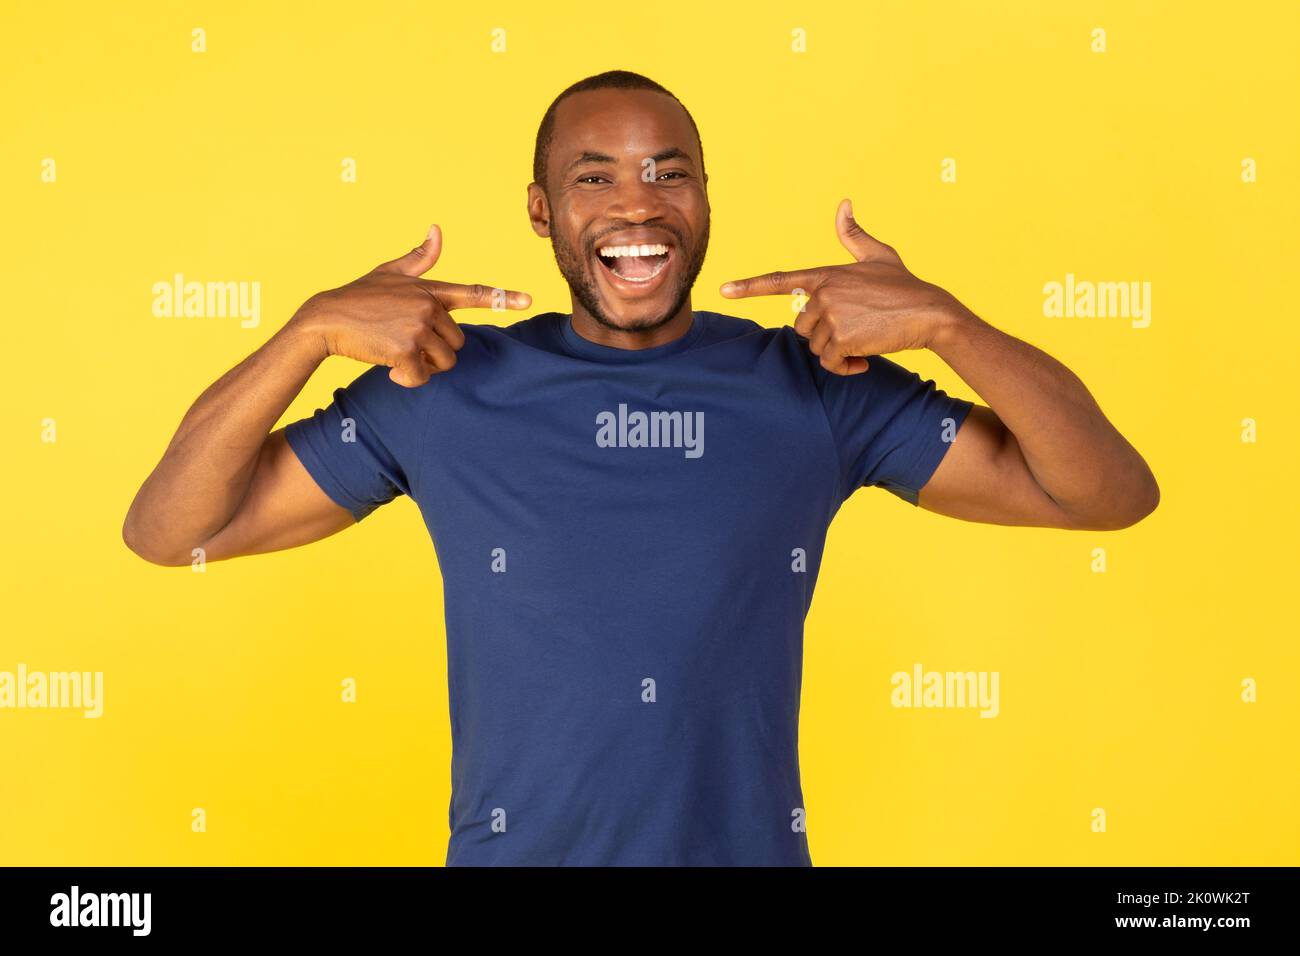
<point x="629" y="502"/>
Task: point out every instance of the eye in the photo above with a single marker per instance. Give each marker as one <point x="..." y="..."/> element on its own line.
<point x="672" y="172"/>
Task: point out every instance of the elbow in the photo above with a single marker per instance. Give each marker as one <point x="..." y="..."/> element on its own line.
<point x="1145" y="505"/>
<point x="1152" y="498"/>
<point x="1134" y="507"/>
<point x="141" y="545"/>
<point x="1146" y="500"/>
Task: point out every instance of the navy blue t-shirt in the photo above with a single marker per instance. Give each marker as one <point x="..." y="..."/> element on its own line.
<point x="629" y="541"/>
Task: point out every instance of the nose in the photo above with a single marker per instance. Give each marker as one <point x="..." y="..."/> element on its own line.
<point x="634" y="200"/>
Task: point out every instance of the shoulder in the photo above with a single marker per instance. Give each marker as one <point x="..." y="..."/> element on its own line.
<point x="762" y="344"/>
<point x="721" y="329"/>
<point x="719" y="326"/>
<point x="537" y="331"/>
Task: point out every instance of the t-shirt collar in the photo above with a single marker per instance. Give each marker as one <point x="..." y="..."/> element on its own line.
<point x="575" y="344"/>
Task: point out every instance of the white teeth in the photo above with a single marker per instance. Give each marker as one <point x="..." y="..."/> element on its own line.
<point x="613" y="252"/>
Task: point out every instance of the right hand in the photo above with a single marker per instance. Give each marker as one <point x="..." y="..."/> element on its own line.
<point x="390" y="316"/>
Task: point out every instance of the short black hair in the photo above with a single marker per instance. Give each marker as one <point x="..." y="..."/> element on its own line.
<point x="609" y="80"/>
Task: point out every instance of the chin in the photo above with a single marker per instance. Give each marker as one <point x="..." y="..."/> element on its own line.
<point x="631" y="316"/>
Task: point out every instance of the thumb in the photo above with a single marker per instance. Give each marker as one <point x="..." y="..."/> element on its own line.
<point x="853" y="237"/>
<point x="420" y="259"/>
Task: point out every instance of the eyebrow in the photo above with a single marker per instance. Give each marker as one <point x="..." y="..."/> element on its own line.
<point x="590" y="158"/>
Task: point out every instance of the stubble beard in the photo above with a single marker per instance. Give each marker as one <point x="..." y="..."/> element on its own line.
<point x="582" y="284"/>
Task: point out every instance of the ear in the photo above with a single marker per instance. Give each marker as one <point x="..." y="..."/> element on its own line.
<point x="539" y="211"/>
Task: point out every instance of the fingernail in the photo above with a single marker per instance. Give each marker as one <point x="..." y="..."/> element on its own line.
<point x="431" y="229"/>
<point x="728" y="287"/>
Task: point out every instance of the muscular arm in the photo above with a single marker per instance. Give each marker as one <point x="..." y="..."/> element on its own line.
<point x="224" y="484"/>
<point x="1041" y="452"/>
<point x="227" y="486"/>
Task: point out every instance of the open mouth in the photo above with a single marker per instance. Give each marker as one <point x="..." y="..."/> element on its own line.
<point x="637" y="266"/>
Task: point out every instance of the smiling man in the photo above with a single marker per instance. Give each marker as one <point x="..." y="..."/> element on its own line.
<point x="624" y="599"/>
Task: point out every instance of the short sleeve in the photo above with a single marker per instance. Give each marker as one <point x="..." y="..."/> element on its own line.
<point x="891" y="428"/>
<point x="364" y="448"/>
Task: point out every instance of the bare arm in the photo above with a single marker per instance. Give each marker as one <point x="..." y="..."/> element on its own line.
<point x="1043" y="453"/>
<point x="229" y="485"/>
<point x="222" y="458"/>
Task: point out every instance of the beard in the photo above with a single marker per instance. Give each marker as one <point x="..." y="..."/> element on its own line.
<point x="576" y="270"/>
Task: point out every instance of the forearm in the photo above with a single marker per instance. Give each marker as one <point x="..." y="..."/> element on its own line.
<point x="1074" y="453"/>
<point x="205" y="472"/>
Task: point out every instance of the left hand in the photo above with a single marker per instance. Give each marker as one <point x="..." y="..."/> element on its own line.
<point x="868" y="307"/>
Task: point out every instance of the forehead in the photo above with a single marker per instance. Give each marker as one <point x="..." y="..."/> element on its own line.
<point x="622" y="123"/>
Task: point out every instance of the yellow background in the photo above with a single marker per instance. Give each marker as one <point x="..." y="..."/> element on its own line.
<point x="1119" y="690"/>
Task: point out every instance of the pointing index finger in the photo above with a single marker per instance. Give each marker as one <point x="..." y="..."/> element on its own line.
<point x="772" y="283"/>
<point x="454" y="295"/>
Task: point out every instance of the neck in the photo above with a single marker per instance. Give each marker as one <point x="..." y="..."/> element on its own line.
<point x="593" y="331"/>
